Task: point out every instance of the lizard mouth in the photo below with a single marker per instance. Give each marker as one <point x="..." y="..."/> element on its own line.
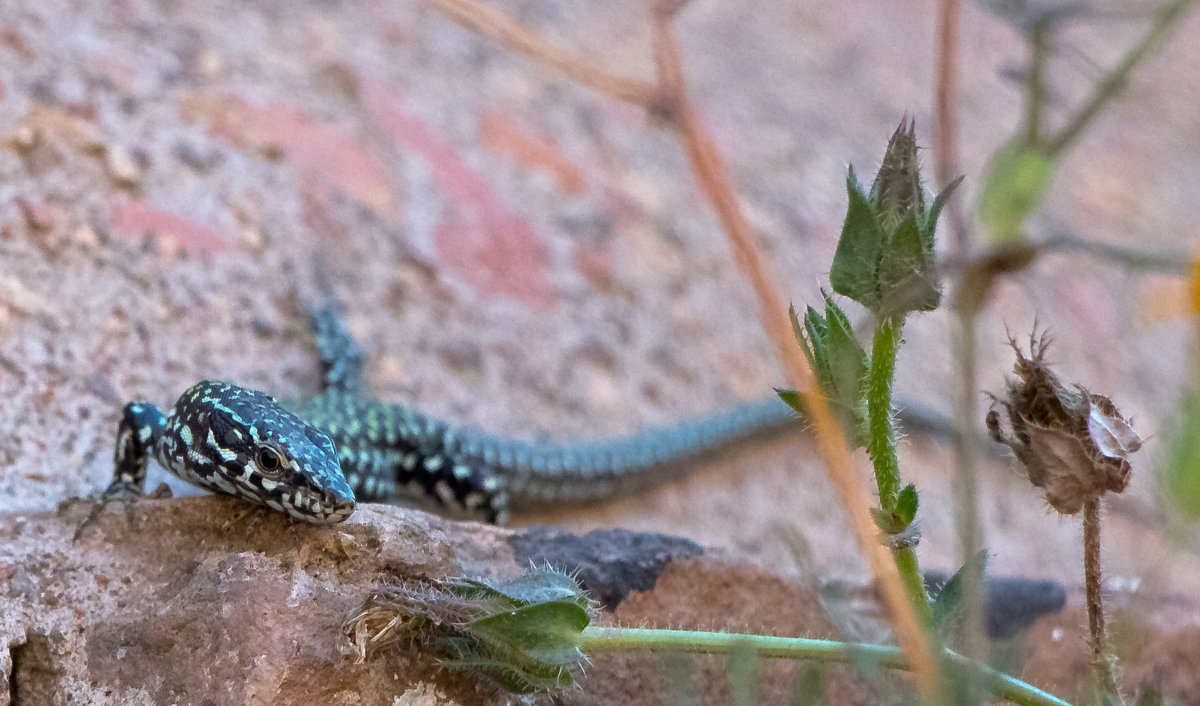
<point x="322" y="507"/>
<point x="315" y="506"/>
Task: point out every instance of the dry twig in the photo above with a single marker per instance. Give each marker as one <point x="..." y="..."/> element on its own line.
<point x="668" y="99"/>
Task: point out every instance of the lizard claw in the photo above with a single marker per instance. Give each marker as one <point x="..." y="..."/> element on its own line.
<point x="127" y="494"/>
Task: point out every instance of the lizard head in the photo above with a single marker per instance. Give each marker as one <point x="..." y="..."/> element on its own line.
<point x="245" y="443"/>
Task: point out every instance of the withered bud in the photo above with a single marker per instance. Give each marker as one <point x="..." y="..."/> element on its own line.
<point x="1074" y="445"/>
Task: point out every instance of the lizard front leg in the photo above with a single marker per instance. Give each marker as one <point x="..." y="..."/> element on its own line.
<point x="140" y="428"/>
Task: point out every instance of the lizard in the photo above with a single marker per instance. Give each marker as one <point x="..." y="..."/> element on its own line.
<point x="315" y="459"/>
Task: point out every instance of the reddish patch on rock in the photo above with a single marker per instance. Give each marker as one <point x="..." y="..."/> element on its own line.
<point x="594" y="262"/>
<point x="325" y="152"/>
<point x="134" y="219"/>
<point x="493" y="248"/>
<point x="502" y="134"/>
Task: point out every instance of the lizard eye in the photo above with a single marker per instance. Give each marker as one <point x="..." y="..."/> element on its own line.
<point x="269" y="461"/>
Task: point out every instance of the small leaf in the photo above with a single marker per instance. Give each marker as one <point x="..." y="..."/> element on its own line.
<point x="814" y="340"/>
<point x="793" y="399"/>
<point x="948" y="607"/>
<point x="541" y="585"/>
<point x="839" y="365"/>
<point x="886" y="521"/>
<point x="547" y="632"/>
<point x="935" y="212"/>
<point x="857" y="256"/>
<point x="906" y="505"/>
<point x="797" y="331"/>
<point x="905" y="277"/>
<point x="1017" y="179"/>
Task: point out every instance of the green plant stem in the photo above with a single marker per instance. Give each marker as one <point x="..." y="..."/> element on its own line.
<point x="881" y="445"/>
<point x="1035" y="86"/>
<point x="1003" y="686"/>
<point x="1102" y="661"/>
<point x="914" y="583"/>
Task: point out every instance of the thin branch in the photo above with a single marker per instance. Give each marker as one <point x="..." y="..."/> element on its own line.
<point x="1102" y="662"/>
<point x="945" y="118"/>
<point x="706" y="162"/>
<point x="669" y="99"/>
<point x="1164" y="21"/>
<point x="519" y="40"/>
<point x="1128" y="258"/>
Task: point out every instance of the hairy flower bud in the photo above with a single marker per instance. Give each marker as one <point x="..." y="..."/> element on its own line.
<point x="1074" y="445"/>
<point x="884" y="258"/>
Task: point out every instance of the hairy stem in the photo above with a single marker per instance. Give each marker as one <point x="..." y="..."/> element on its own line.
<point x="998" y="683"/>
<point x="914" y="582"/>
<point x="1102" y="661"/>
<point x="881" y="445"/>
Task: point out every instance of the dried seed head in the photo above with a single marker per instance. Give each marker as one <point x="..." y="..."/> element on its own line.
<point x="1074" y="445"/>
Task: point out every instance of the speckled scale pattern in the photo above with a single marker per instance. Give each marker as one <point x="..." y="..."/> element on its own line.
<point x="315" y="460"/>
<point x="215" y="437"/>
<point x="389" y="451"/>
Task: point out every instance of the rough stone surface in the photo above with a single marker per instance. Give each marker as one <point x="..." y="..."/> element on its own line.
<point x="526" y="256"/>
<point x="608" y="563"/>
<point x="202" y="600"/>
<point x="207" y="600"/>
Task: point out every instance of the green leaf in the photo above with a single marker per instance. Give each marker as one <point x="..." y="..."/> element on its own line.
<point x="886" y="521"/>
<point x="847" y="361"/>
<point x="935" y="212"/>
<point x="797" y="331"/>
<point x="906" y="278"/>
<point x="510" y="669"/>
<point x="857" y="256"/>
<point x="814" y="347"/>
<point x="897" y="519"/>
<point x="1180" y="479"/>
<point x="1017" y="179"/>
<point x="839" y="364"/>
<point x="793" y="399"/>
<point x="948" y="607"/>
<point x="906" y="505"/>
<point x="545" y="632"/>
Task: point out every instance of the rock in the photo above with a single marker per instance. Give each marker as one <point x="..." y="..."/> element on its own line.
<point x="608" y="563"/>
<point x="1011" y="604"/>
<point x="208" y="600"/>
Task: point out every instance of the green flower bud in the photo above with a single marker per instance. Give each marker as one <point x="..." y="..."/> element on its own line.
<point x="884" y="258"/>
<point x="523" y="633"/>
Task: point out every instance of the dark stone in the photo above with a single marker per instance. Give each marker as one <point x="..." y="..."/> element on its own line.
<point x="608" y="563"/>
<point x="1011" y="604"/>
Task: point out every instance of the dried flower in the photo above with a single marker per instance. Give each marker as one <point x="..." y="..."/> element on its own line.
<point x="1074" y="445"/>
